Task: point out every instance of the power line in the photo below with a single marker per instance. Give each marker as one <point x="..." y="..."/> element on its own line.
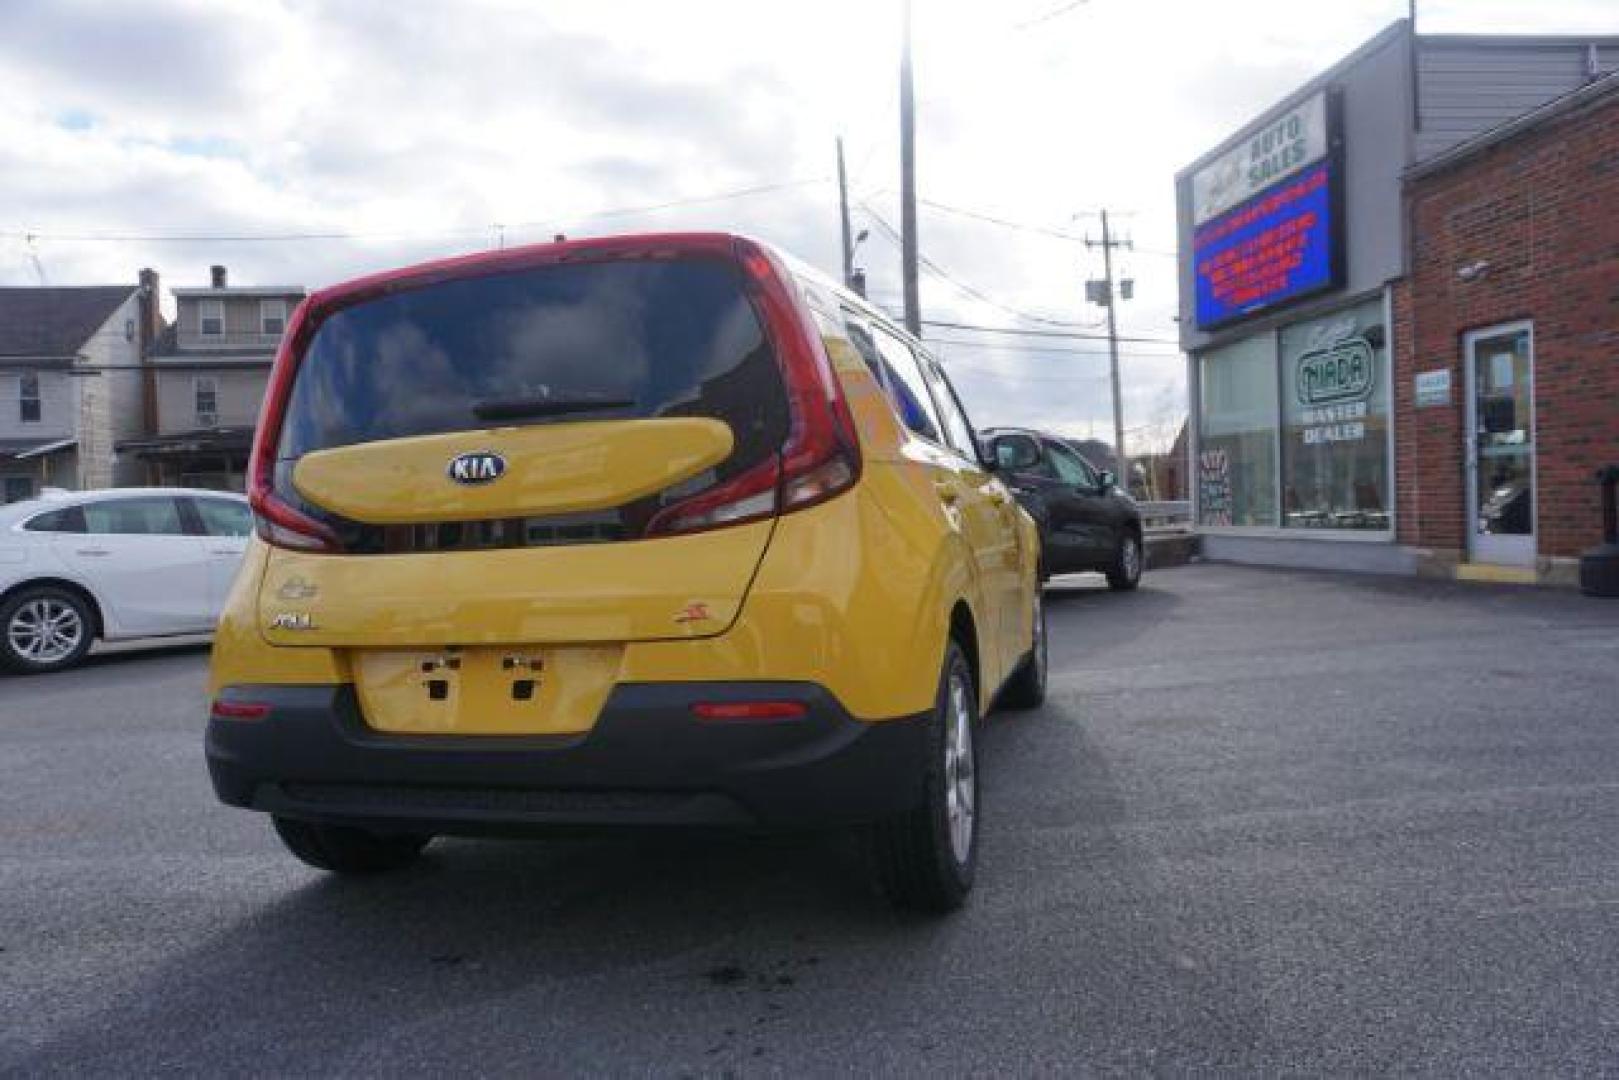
<point x="1015" y="376"/>
<point x="1024" y="332"/>
<point x="1023" y="226"/>
<point x="1048" y="16"/>
<point x="991" y="219"/>
<point x="249" y="238"/>
<point x="696" y="200"/>
<point x="893" y="236"/>
<point x="1054" y="350"/>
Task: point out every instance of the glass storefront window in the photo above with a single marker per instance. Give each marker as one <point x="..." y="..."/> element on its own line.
<point x="1236" y="467"/>
<point x="1335" y="416"/>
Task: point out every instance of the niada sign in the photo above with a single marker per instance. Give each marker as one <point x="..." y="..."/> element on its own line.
<point x="1285" y="145"/>
<point x="1343" y="371"/>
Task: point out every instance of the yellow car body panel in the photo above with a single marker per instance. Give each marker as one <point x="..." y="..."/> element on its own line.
<point x="854" y="595"/>
<point x="241" y="654"/>
<point x="566" y="688"/>
<point x="556" y="469"/>
<point x="857" y="595"/>
<point x="672" y="587"/>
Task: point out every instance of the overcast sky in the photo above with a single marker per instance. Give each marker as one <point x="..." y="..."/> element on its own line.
<point x="419" y="130"/>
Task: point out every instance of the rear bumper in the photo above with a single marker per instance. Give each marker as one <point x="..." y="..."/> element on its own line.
<point x="647" y="761"/>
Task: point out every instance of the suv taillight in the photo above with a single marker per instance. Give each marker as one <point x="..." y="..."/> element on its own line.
<point x="278" y="523"/>
<point x="821" y="456"/>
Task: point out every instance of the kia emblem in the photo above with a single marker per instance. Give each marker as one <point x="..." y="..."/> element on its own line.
<point x="477" y="467"/>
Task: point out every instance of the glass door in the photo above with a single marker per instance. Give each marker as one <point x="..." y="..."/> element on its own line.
<point x="1500" y="447"/>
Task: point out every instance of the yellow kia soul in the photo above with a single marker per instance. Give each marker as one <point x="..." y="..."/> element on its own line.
<point x="657" y="530"/>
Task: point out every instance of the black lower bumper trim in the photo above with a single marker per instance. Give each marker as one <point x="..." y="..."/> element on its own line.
<point x="647" y="761"/>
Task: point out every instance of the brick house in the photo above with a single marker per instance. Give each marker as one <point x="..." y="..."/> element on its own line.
<point x="208" y="375"/>
<point x="1506" y="371"/>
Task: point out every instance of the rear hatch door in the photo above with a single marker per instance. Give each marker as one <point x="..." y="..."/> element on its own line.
<point x="519" y="458"/>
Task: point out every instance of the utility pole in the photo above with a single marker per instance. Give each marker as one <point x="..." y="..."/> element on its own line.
<point x="843" y="214"/>
<point x="907" y="184"/>
<point x="1103" y="293"/>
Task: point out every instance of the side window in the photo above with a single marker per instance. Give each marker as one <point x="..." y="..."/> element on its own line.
<point x="860" y="336"/>
<point x="221" y="517"/>
<point x="956" y="426"/>
<point x="1071" y="468"/>
<point x="69" y="519"/>
<point x="907" y="388"/>
<point x="134" y="517"/>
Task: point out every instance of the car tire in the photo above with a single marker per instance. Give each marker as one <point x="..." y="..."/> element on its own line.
<point x="44" y="628"/>
<point x="343" y="849"/>
<point x="926" y="858"/>
<point x="1125" y="571"/>
<point x="1027" y="688"/>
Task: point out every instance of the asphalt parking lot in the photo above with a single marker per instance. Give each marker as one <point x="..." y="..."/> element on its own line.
<point x="1268" y="821"/>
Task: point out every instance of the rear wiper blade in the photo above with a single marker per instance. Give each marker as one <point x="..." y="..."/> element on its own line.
<point x="530" y="407"/>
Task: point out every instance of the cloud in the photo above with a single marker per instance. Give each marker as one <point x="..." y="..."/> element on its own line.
<point x="433" y="129"/>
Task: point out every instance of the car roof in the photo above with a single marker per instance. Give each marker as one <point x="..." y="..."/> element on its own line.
<point x="528" y="256"/>
<point x="56" y="499"/>
<point x="1006" y="429"/>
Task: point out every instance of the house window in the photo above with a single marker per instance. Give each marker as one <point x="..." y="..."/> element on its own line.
<point x="28" y="408"/>
<point x="272" y="317"/>
<point x="206" y="391"/>
<point x="212" y="316"/>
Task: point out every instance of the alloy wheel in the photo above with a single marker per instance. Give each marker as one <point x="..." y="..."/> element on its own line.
<point x="45" y="631"/>
<point x="959" y="768"/>
<point x="1131" y="557"/>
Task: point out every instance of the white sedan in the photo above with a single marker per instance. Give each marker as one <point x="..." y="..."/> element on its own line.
<point x="114" y="564"/>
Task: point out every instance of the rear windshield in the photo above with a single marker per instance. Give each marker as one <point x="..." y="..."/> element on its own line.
<point x="592" y="341"/>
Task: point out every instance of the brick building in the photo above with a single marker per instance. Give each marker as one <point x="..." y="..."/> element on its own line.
<point x="1507" y="373"/>
<point x="1400" y="306"/>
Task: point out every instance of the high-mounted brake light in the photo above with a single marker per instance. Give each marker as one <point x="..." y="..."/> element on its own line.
<point x="821" y="456"/>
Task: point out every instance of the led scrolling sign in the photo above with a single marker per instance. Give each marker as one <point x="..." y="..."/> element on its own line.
<point x="1267" y="220"/>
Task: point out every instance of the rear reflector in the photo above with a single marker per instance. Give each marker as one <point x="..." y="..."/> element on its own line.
<point x="748" y="710"/>
<point x="239" y="710"/>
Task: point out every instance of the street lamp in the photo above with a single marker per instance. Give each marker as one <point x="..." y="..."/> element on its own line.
<point x="857" y="276"/>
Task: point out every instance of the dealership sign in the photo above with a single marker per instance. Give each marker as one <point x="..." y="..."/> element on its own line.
<point x="1281" y="148"/>
<point x="1266" y="218"/>
<point x="1334" y="383"/>
<point x="1340" y="372"/>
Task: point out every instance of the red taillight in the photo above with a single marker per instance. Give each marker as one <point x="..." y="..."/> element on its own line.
<point x="749" y="710"/>
<point x="746" y="497"/>
<point x="821" y="456"/>
<point x="239" y="710"/>
<point x="277" y="523"/>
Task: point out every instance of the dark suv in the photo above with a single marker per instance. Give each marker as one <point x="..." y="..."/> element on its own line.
<point x="1086" y="521"/>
